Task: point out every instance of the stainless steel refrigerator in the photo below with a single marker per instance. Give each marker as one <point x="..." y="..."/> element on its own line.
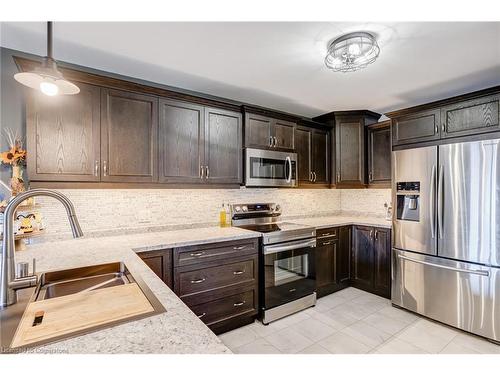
<point x="446" y="228"/>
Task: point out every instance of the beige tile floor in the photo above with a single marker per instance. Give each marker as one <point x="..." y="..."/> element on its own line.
<point x="353" y="321"/>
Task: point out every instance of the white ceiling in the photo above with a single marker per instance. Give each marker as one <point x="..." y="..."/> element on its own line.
<point x="280" y="65"/>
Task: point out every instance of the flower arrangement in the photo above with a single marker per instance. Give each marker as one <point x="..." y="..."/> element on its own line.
<point x="16" y="155"/>
<point x="15" y="158"/>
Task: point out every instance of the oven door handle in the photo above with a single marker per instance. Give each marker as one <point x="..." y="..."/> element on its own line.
<point x="296" y="245"/>
<point x="289" y="161"/>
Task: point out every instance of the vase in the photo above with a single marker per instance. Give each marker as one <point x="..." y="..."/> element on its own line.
<point x="17" y="182"/>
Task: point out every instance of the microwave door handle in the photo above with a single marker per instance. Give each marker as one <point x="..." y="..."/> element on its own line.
<point x="289" y="162"/>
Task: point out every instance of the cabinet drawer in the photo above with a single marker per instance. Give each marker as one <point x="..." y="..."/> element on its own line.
<point x="327" y="233"/>
<point x="225" y="308"/>
<point x="210" y="278"/>
<point x="185" y="256"/>
<point x="470" y="117"/>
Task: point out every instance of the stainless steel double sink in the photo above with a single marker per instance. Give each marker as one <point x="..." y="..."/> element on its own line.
<point x="56" y="284"/>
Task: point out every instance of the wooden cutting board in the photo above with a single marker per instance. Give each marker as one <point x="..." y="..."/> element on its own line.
<point x="76" y="312"/>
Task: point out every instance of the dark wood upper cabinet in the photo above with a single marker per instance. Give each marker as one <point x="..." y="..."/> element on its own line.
<point x="471" y="117"/>
<point x="320" y="156"/>
<point x="382" y="262"/>
<point x="129" y="131"/>
<point x="284" y="133"/>
<point x="313" y="152"/>
<point x="416" y="127"/>
<point x="258" y="130"/>
<point x="223" y="146"/>
<point x="63" y="135"/>
<point x="181" y="142"/>
<point x="350" y="152"/>
<point x="379" y="154"/>
<point x="303" y="144"/>
<point x="268" y="132"/>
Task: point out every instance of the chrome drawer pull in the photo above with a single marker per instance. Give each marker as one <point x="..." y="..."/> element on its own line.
<point x="202" y="315"/>
<point x="237" y="304"/>
<point x="327" y="243"/>
<point x="197" y="281"/>
<point x="329" y="234"/>
<point x="239" y="247"/>
<point x="197" y="254"/>
<point x="238" y="272"/>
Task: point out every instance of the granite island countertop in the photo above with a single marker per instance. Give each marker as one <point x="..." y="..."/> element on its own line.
<point x="176" y="331"/>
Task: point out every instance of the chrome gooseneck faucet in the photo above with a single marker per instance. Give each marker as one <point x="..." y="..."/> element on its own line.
<point x="9" y="283"/>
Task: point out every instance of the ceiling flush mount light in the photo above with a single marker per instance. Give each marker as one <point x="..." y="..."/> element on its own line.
<point x="352" y="52"/>
<point x="47" y="78"/>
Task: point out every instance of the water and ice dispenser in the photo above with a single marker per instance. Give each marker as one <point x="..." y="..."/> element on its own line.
<point x="408" y="201"/>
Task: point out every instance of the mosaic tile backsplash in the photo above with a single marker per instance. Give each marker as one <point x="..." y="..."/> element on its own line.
<point x="127" y="209"/>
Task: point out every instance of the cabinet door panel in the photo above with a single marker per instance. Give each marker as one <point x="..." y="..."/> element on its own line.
<point x="362" y="258"/>
<point x="471" y="117"/>
<point x="181" y="142"/>
<point x="326" y="272"/>
<point x="320" y="157"/>
<point x="63" y="135"/>
<point x="344" y="255"/>
<point x="418" y="127"/>
<point x="350" y="153"/>
<point x="129" y="132"/>
<point x="284" y="131"/>
<point x="379" y="156"/>
<point x="223" y="153"/>
<point x="304" y="151"/>
<point x="382" y="266"/>
<point x="160" y="262"/>
<point x="257" y="130"/>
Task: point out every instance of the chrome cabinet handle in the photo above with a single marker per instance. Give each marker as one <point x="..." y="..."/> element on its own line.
<point x="202" y="315"/>
<point x="207" y="170"/>
<point x="197" y="254"/>
<point x="202" y="172"/>
<point x="105" y="168"/>
<point x="370" y="176"/>
<point x="475" y="272"/>
<point x="436" y="129"/>
<point x="376" y="235"/>
<point x="238" y="272"/>
<point x="270" y="141"/>
<point x="327" y="243"/>
<point x="239" y="247"/>
<point x="275" y="141"/>
<point x="198" y="281"/>
<point x="371" y="234"/>
<point x="96" y="168"/>
<point x="432" y="201"/>
<point x="314" y="174"/>
<point x="237" y="304"/>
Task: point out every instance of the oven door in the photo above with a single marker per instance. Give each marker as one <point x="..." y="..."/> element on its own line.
<point x="270" y="168"/>
<point x="288" y="272"/>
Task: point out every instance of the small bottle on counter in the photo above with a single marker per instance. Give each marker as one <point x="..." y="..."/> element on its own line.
<point x="222" y="217"/>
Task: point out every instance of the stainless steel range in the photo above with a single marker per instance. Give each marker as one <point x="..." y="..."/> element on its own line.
<point x="286" y="262"/>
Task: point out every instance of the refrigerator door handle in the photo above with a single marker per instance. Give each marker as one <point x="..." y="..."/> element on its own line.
<point x="475" y="272"/>
<point x="432" y="201"/>
<point x="440" y="201"/>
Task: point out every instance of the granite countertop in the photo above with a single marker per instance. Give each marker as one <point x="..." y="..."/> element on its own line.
<point x="178" y="330"/>
<point x="340" y="220"/>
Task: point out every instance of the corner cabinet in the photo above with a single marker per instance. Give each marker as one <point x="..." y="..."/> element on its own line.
<point x="199" y="145"/>
<point x="160" y="262"/>
<point x="63" y="136"/>
<point x="313" y="154"/>
<point x="129" y="134"/>
<point x="371" y="260"/>
<point x="379" y="155"/>
<point x="269" y="133"/>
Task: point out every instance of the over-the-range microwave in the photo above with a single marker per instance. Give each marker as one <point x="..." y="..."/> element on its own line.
<point x="266" y="168"/>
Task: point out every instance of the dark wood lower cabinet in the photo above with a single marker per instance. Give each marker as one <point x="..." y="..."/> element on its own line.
<point x="160" y="262"/>
<point x="219" y="282"/>
<point x="370" y="260"/>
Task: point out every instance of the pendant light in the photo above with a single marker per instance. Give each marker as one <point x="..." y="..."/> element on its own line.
<point x="47" y="78"/>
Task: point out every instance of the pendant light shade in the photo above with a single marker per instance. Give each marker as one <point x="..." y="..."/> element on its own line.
<point x="47" y="78"/>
